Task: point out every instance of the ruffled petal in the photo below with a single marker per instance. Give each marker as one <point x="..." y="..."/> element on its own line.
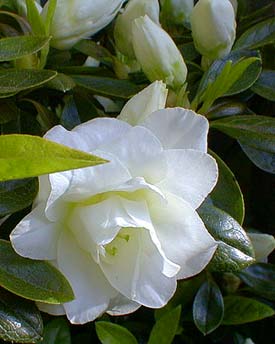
<point x="179" y="128"/>
<point x="139" y="107"/>
<point x="141" y="152"/>
<point x="142" y="280"/>
<point x="191" y="175"/>
<point x="91" y="289"/>
<point x="35" y="236"/>
<point x="121" y="305"/>
<point x="101" y="131"/>
<point x="183" y="236"/>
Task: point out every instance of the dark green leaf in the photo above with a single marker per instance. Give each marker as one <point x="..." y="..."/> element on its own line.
<point x="16" y="80"/>
<point x="260" y="34"/>
<point x="256" y="134"/>
<point x="227" y="194"/>
<point x="16" y="195"/>
<point x="235" y="250"/>
<point x="20" y="320"/>
<point x="57" y="331"/>
<point x="107" y="86"/>
<point x="265" y="85"/>
<point x="208" y="307"/>
<point x="110" y="333"/>
<point x="261" y="278"/>
<point x="8" y="111"/>
<point x="12" y="48"/>
<point x="32" y="279"/>
<point x="23" y="156"/>
<point x="70" y="117"/>
<point x="93" y="49"/>
<point x="242" y="310"/>
<point x="166" y="327"/>
<point x="61" y="82"/>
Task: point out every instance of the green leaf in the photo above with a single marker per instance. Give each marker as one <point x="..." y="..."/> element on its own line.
<point x="265" y="85"/>
<point x="110" y="333"/>
<point x="16" y="195"/>
<point x="227" y="194"/>
<point x="20" y="320"/>
<point x="92" y="49"/>
<point x="242" y="310"/>
<point x="107" y="86"/>
<point x="256" y="135"/>
<point x="208" y="308"/>
<point x="234" y="251"/>
<point x="166" y="327"/>
<point x="61" y="82"/>
<point x="34" y="18"/>
<point x="23" y="156"/>
<point x="15" y="80"/>
<point x="8" y="111"/>
<point x="261" y="278"/>
<point x="32" y="279"/>
<point x="257" y="36"/>
<point x="12" y="48"/>
<point x="57" y="331"/>
<point x="228" y="76"/>
<point x="49" y="15"/>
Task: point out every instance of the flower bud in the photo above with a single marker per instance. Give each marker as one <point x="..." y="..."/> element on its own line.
<point x="123" y="27"/>
<point x="157" y="53"/>
<point x="213" y="27"/>
<point x="177" y="11"/>
<point x="77" y="19"/>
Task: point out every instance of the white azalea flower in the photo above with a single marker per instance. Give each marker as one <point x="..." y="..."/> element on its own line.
<point x="123" y="232"/>
<point x="77" y="19"/>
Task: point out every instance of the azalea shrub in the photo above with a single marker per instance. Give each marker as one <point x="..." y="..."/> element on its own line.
<point x="137" y="162"/>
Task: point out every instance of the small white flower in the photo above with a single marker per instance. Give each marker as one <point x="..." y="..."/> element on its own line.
<point x="123" y="27"/>
<point x="77" y="19"/>
<point x="157" y="53"/>
<point x="263" y="245"/>
<point x="123" y="232"/>
<point x="213" y="27"/>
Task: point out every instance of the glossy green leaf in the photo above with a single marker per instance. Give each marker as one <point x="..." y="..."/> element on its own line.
<point x="20" y="320"/>
<point x="16" y="195"/>
<point x="12" y="48"/>
<point x="32" y="279"/>
<point x="230" y="75"/>
<point x="61" y="82"/>
<point x="242" y="310"/>
<point x="34" y="18"/>
<point x="23" y="156"/>
<point x="57" y="331"/>
<point x="16" y="80"/>
<point x="107" y="86"/>
<point x="261" y="278"/>
<point x="227" y="194"/>
<point x="256" y="135"/>
<point x="208" y="308"/>
<point x="110" y="333"/>
<point x="257" y="36"/>
<point x="265" y="85"/>
<point x="234" y="251"/>
<point x="165" y="329"/>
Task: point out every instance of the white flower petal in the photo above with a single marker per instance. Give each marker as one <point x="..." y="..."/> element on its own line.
<point x="68" y="138"/>
<point x="91" y="289"/>
<point x="141" y="152"/>
<point x="183" y="236"/>
<point x="142" y="265"/>
<point x="51" y="309"/>
<point x="87" y="182"/>
<point x="102" y="221"/>
<point x="263" y="245"/>
<point x="179" y="128"/>
<point x="121" y="305"/>
<point x="35" y="236"/>
<point x="191" y="175"/>
<point x="139" y="107"/>
<point x="101" y="131"/>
